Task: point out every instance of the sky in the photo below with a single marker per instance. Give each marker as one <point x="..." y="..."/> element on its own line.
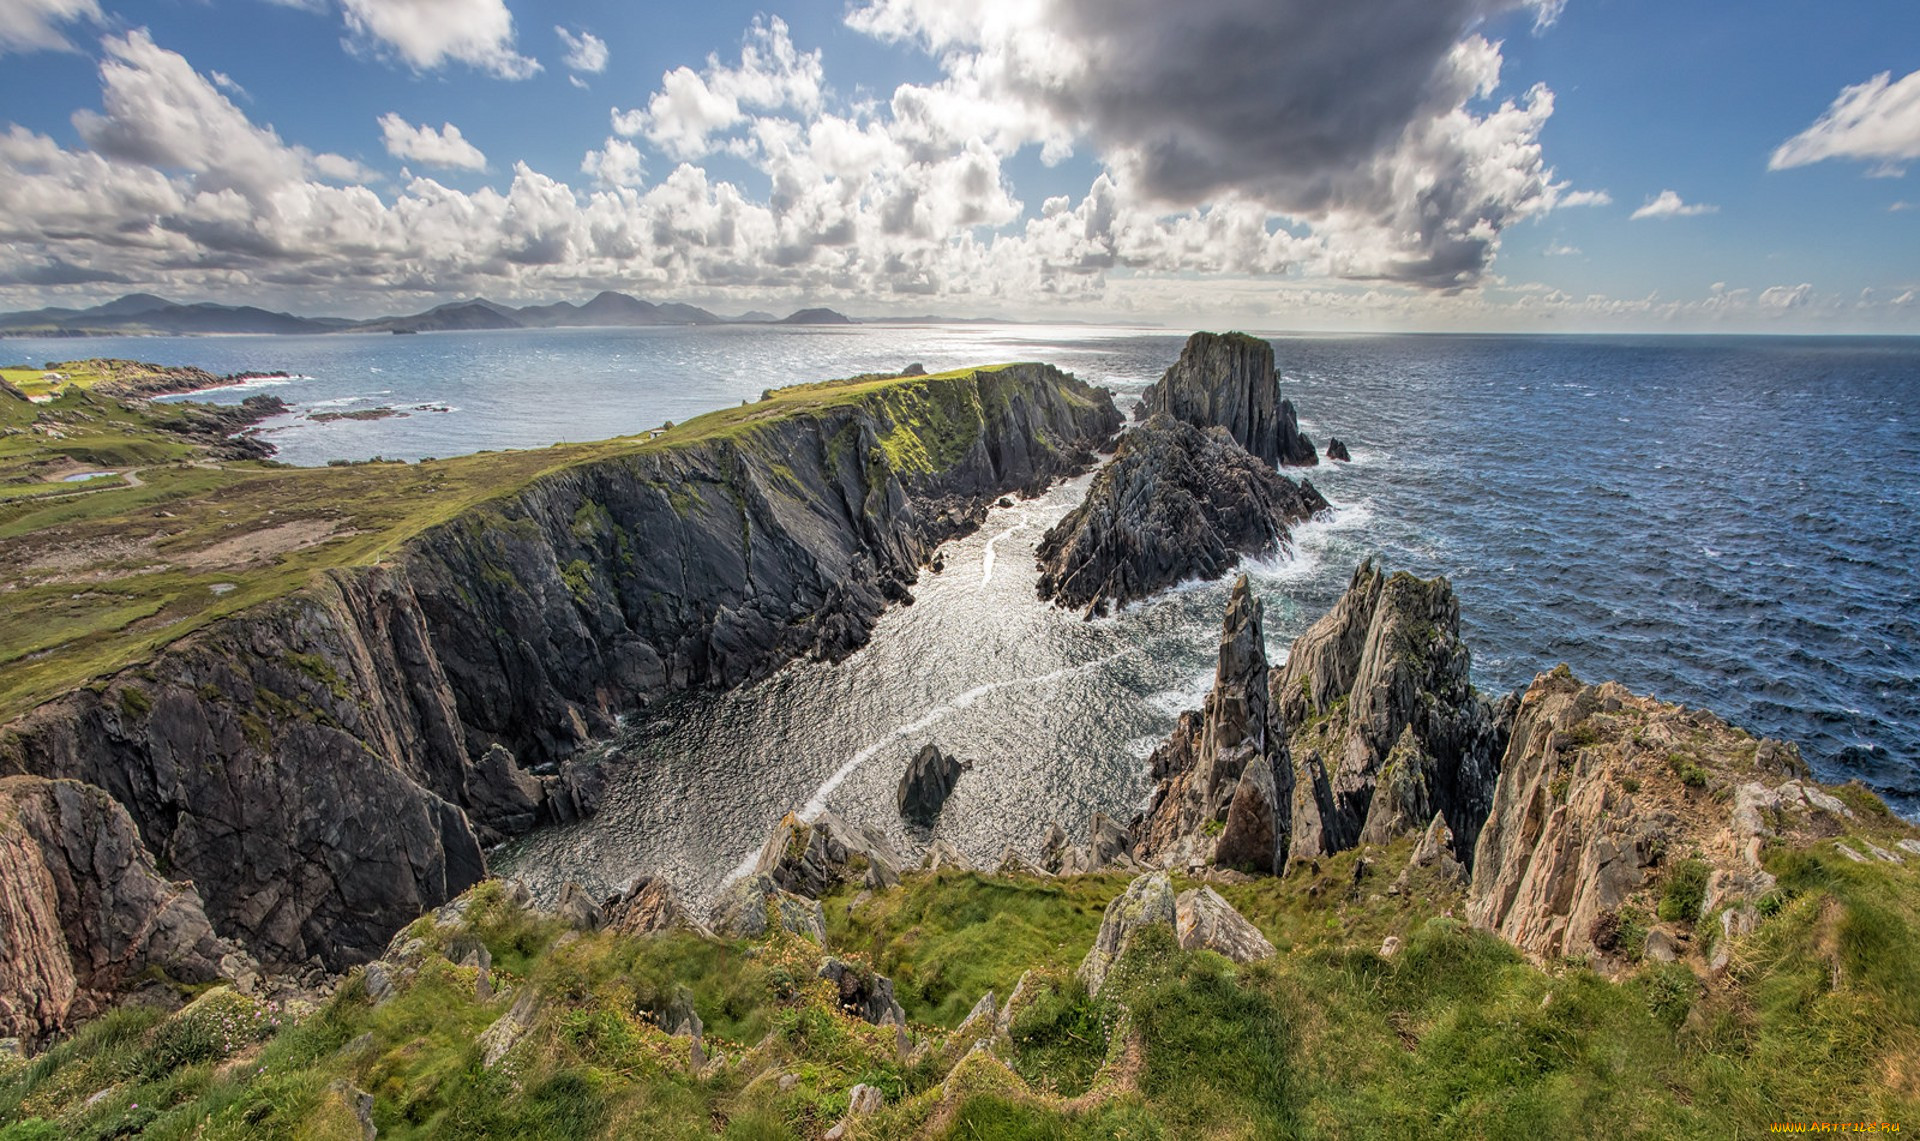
<point x="1574" y="165"/>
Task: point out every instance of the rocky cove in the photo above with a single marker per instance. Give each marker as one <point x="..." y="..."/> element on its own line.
<point x="328" y="770"/>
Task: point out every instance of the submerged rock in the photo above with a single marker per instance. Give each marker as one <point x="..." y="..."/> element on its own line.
<point x="1176" y="503"/>
<point x="1227" y="380"/>
<point x="927" y="783"/>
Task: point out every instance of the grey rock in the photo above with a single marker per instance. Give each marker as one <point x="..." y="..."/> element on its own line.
<point x="1148" y="900"/>
<point x="649" y="906"/>
<point x="361" y="1103"/>
<point x="1432" y="864"/>
<point x="813" y="859"/>
<point x="1227" y="380"/>
<point x="577" y="910"/>
<point x="926" y="784"/>
<point x="1205" y="920"/>
<point x="1053" y="847"/>
<point x="506" y="1031"/>
<point x="862" y="993"/>
<point x="1337" y="450"/>
<point x="1225" y="765"/>
<point x="1176" y="503"/>
<point x="1386" y="670"/>
<point x="942" y="856"/>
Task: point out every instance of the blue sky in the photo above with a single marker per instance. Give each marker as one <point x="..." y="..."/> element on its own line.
<point x="1393" y="164"/>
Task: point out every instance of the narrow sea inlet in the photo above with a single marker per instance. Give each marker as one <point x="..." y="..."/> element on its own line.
<point x="1720" y="522"/>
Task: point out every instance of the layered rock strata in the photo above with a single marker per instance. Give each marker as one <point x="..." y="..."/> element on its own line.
<point x="83" y="910"/>
<point x="1224" y="788"/>
<point x="321" y="766"/>
<point x="1177" y="503"/>
<point x="1228" y="380"/>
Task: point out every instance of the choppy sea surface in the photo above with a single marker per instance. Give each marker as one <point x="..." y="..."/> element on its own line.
<point x="1728" y="523"/>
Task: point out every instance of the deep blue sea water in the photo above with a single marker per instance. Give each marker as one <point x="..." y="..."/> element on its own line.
<point x="1729" y="523"/>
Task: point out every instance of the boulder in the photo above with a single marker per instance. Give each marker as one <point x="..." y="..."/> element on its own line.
<point x="1205" y="920"/>
<point x="1148" y="900"/>
<point x="1053" y="847"/>
<point x="1227" y="380"/>
<point x="942" y="856"/>
<point x="926" y="784"/>
<point x="1177" y="503"/>
<point x="506" y="1031"/>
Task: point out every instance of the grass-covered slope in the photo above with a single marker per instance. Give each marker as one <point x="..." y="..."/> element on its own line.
<point x="101" y="574"/>
<point x="1453" y="1035"/>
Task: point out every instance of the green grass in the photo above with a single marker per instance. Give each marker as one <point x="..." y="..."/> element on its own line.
<point x="1455" y="1036"/>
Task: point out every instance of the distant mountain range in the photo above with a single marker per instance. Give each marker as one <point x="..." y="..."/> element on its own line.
<point x="145" y="314"/>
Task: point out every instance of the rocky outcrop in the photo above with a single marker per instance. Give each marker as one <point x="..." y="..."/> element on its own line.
<point x="649" y="906"/>
<point x="1148" y="900"/>
<point x="1224" y="783"/>
<point x="927" y="783"/>
<point x="1383" y="723"/>
<point x="743" y="909"/>
<point x="1177" y="503"/>
<point x="1227" y="380"/>
<point x="862" y="993"/>
<point x="321" y="765"/>
<point x="1625" y="826"/>
<point x="83" y="910"/>
<point x="1203" y="920"/>
<point x="1337" y="450"/>
<point x="811" y="860"/>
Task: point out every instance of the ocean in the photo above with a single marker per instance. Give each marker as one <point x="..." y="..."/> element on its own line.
<point x="1723" y="522"/>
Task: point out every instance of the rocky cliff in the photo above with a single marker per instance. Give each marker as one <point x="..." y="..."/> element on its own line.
<point x="1177" y="502"/>
<point x="1227" y="380"/>
<point x="1626" y="828"/>
<point x="83" y="910"/>
<point x="328" y="765"/>
<point x="1224" y="783"/>
<point x="1372" y="731"/>
<point x="1384" y="725"/>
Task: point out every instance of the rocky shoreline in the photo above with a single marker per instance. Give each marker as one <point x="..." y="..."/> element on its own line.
<point x="329" y="765"/>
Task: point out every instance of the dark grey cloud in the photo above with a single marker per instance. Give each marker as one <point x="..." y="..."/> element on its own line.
<point x="1286" y="99"/>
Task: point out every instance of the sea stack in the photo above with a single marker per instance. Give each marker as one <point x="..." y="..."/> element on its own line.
<point x="1227" y="379"/>
<point x="927" y="783"/>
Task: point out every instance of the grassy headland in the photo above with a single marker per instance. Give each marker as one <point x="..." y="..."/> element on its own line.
<point x="98" y="575"/>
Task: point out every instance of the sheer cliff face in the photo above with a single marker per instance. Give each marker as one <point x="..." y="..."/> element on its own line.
<point x="83" y="910"/>
<point x="322" y="767"/>
<point x="1227" y="380"/>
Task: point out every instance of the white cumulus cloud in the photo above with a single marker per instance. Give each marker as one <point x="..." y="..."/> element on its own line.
<point x="35" y="25"/>
<point x="585" y="52"/>
<point x="1878" y="120"/>
<point x="691" y="106"/>
<point x="1669" y="204"/>
<point x="427" y="34"/>
<point x="615" y="164"/>
<point x="446" y="147"/>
